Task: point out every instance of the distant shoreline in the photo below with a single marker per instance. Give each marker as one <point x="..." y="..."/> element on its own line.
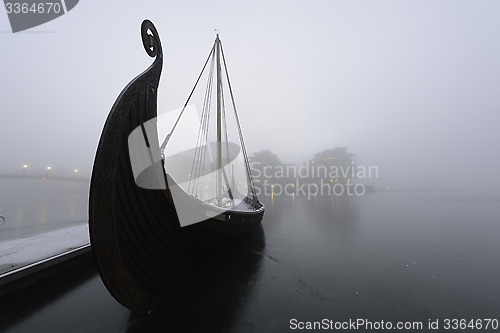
<point x="42" y="177"/>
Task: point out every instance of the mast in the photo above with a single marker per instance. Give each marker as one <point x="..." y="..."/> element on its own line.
<point x="219" y="124"/>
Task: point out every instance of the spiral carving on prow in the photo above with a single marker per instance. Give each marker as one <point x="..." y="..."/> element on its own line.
<point x="151" y="39"/>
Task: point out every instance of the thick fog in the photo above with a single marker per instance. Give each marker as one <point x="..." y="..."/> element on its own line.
<point x="408" y="86"/>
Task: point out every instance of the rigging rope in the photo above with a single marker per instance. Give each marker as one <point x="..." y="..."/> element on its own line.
<point x="245" y="156"/>
<point x="198" y="166"/>
<point x="199" y="159"/>
<point x="162" y="147"/>
<point x="224" y="122"/>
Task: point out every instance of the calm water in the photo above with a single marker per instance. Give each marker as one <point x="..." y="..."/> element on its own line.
<point x="407" y="256"/>
<point x="384" y="256"/>
<point x="32" y="206"/>
<point x="391" y="256"/>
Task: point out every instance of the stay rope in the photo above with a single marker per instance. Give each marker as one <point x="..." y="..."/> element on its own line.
<point x="195" y="185"/>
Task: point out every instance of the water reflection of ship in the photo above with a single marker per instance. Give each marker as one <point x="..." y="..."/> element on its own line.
<point x="137" y="209"/>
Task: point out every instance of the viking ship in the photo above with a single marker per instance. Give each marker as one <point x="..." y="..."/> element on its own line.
<point x="149" y="212"/>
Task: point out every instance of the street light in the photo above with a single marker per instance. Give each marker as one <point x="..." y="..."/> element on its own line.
<point x="24" y="169"/>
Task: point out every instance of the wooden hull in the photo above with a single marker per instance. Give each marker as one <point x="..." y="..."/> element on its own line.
<point x="139" y="245"/>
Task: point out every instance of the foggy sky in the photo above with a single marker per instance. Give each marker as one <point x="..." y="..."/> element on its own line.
<point x="411" y="87"/>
